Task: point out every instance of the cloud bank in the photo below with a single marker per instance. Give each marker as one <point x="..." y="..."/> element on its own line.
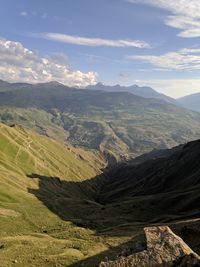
<point x="185" y="15"/>
<point x="18" y="63"/>
<point x="77" y="40"/>
<point x="184" y="59"/>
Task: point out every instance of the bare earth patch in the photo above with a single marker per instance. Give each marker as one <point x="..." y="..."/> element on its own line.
<point x="8" y="213"/>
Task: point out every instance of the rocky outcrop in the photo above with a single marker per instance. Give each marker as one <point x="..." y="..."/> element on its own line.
<point x="164" y="248"/>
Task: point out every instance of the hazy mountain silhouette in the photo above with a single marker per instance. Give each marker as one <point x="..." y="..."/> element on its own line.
<point x="143" y="91"/>
<point x="191" y="101"/>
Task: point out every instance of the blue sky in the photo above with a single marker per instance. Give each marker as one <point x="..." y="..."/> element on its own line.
<point x="80" y="42"/>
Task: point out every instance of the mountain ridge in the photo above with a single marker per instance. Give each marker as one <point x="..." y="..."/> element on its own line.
<point x="143" y="91"/>
<point x="119" y="124"/>
<point x="191" y="102"/>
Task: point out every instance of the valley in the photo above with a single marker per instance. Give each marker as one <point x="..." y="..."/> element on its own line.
<point x="61" y="206"/>
<point x="79" y="182"/>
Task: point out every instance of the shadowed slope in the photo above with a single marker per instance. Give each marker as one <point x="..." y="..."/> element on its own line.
<point x="162" y="189"/>
<point x="174" y="173"/>
<point x="171" y="196"/>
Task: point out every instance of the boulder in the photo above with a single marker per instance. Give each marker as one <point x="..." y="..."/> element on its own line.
<point x="164" y="248"/>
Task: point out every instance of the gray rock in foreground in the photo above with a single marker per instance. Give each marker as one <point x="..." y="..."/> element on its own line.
<point x="164" y="248"/>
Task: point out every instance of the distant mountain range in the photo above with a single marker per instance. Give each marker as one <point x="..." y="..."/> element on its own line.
<point x="6" y="86"/>
<point x="143" y="91"/>
<point x="191" y="101"/>
<point x="119" y="124"/>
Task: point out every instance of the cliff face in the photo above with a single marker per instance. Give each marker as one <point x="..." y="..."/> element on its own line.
<point x="164" y="248"/>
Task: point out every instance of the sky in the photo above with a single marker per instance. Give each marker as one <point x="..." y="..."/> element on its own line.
<point x="82" y="42"/>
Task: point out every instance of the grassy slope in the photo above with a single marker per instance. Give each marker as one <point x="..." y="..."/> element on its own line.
<point x="24" y="220"/>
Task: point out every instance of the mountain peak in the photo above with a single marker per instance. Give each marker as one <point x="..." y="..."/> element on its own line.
<point x="55" y="83"/>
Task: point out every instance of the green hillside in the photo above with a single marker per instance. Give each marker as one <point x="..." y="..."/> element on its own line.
<point x="30" y="233"/>
<point x="37" y="120"/>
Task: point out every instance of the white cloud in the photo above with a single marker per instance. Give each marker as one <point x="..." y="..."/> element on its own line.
<point x="18" y="63"/>
<point x="64" y="38"/>
<point x="194" y="50"/>
<point x="184" y="59"/>
<point x="173" y="87"/>
<point x="24" y="13"/>
<point x="59" y="58"/>
<point x="185" y="15"/>
<point x="42" y="15"/>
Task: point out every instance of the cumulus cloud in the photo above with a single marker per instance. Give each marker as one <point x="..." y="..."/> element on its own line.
<point x="184" y="59"/>
<point x="59" y="58"/>
<point x="64" y="38"/>
<point x="185" y="15"/>
<point x="18" y="63"/>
